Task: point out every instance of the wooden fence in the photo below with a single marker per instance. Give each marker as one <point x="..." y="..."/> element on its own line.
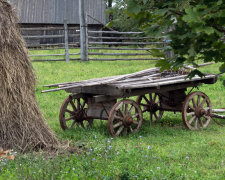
<point x="93" y="45"/>
<point x="34" y="42"/>
<point x="121" y="46"/>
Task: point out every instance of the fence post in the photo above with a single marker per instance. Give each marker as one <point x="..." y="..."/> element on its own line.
<point x="67" y="55"/>
<point x="83" y="32"/>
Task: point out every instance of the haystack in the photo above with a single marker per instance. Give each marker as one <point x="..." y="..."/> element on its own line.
<point x="22" y="125"/>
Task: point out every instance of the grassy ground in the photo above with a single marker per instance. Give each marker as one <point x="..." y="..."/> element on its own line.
<point x="165" y="150"/>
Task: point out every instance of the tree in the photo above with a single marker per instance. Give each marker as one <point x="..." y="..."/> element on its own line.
<point x="195" y="29"/>
<point x="120" y="19"/>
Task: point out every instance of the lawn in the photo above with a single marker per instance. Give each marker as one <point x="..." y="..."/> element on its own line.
<point x="164" y="150"/>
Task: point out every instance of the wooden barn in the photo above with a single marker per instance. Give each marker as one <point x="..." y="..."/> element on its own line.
<point x="44" y="14"/>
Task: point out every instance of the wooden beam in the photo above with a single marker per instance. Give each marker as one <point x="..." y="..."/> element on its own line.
<point x="120" y="54"/>
<point x="115" y="48"/>
<point x="83" y="32"/>
<point x="124" y="43"/>
<point x="67" y="56"/>
<point x="124" y="59"/>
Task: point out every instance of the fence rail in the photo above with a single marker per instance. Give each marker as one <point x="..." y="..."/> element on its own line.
<point x="101" y="45"/>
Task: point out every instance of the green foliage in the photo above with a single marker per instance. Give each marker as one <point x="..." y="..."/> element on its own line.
<point x="121" y="21"/>
<point x="195" y="27"/>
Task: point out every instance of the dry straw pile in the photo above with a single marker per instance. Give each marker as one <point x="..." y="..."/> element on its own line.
<point x="21" y="122"/>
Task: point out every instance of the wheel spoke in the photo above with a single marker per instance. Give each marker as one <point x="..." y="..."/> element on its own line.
<point x="67" y="110"/>
<point x="84" y="103"/>
<point x="78" y="103"/>
<point x="131" y="109"/>
<point x="151" y="117"/>
<point x="125" y="131"/>
<point x="155" y="96"/>
<point x="196" y="123"/>
<point x="135" y="115"/>
<point x="191" y="107"/>
<point x="150" y="96"/>
<point x="198" y="101"/>
<point x="203" y="102"/>
<point x="118" y="124"/>
<point x="119" y="106"/>
<point x="119" y="130"/>
<point x="193" y="101"/>
<point x="118" y="117"/>
<point x="74" y="122"/>
<point x="156" y="117"/>
<point x="131" y="129"/>
<point x="192" y="119"/>
<point x="145" y="105"/>
<point x="126" y="109"/>
<point x="146" y="100"/>
<point x="73" y="106"/>
<point x="71" y="117"/>
<point x="145" y="110"/>
<point x="82" y="124"/>
<point x="121" y="113"/>
<point x="200" y="122"/>
<point x="190" y="114"/>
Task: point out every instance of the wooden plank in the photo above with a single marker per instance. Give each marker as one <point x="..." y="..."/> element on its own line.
<point x="74" y="54"/>
<point x="98" y="81"/>
<point x="43" y="60"/>
<point x="46" y="28"/>
<point x="158" y="84"/>
<point x="114" y="48"/>
<point x="114" y="32"/>
<point x="218" y="116"/>
<point x="96" y="90"/>
<point x="66" y="40"/>
<point x="45" y="55"/>
<point x="99" y="110"/>
<point x="45" y="45"/>
<point x="120" y="54"/>
<point x="43" y="37"/>
<point x="83" y="32"/>
<point x="103" y="98"/>
<point x="146" y="80"/>
<point x="124" y="43"/>
<point x="138" y="92"/>
<point x="121" y="38"/>
<point x="123" y="59"/>
<point x="218" y="110"/>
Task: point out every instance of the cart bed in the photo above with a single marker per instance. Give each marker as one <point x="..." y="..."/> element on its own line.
<point x="150" y="80"/>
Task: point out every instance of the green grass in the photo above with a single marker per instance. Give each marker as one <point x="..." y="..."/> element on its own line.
<point x="165" y="150"/>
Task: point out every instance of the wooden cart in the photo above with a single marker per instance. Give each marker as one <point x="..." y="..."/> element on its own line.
<point x="107" y="99"/>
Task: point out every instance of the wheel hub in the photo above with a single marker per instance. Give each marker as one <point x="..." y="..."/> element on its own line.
<point x="153" y="107"/>
<point x="79" y="115"/>
<point x="128" y="120"/>
<point x="199" y="112"/>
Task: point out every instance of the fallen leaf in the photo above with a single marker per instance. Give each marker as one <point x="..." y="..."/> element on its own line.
<point x="11" y="157"/>
<point x="3" y="155"/>
<point x="7" y="152"/>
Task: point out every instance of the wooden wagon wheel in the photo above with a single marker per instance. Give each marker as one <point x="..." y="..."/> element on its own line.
<point x="197" y="110"/>
<point x="151" y="105"/>
<point x="73" y="112"/>
<point x="125" y="117"/>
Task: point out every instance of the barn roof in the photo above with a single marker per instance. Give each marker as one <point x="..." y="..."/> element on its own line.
<point x="55" y="11"/>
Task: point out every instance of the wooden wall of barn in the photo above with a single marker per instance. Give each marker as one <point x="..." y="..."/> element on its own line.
<point x="55" y="11"/>
<point x="51" y="13"/>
